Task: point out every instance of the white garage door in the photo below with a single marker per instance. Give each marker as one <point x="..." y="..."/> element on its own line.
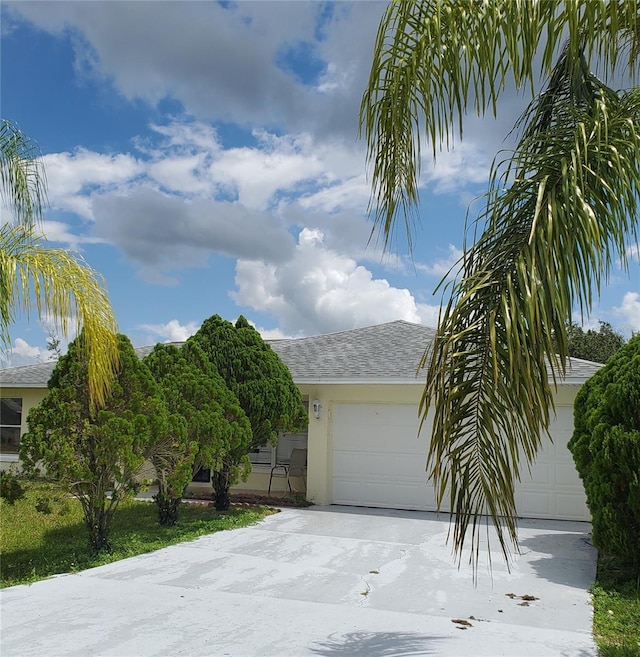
<point x="554" y="489"/>
<point x="378" y="461"/>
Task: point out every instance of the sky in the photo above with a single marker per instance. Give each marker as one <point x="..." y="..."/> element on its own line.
<point x="204" y="158"/>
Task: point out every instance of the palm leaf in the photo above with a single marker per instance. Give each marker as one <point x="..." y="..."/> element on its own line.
<point x="65" y="286"/>
<point x="559" y="212"/>
<point x="434" y="60"/>
<point x="22" y="176"/>
<point x="551" y="235"/>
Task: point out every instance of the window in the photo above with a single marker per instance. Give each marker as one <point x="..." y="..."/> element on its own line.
<point x="287" y="443"/>
<point x="10" y="424"/>
<point x="261" y="456"/>
<point x="203" y="476"/>
<point x="268" y="456"/>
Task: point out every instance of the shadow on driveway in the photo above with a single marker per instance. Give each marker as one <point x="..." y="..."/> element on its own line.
<point x="376" y="644"/>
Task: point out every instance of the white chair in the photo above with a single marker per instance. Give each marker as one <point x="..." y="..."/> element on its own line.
<point x="296" y="467"/>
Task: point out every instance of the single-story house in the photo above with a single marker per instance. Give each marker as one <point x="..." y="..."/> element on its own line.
<point x="363" y="445"/>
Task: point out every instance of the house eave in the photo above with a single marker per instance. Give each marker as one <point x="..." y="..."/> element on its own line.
<point x="356" y="381"/>
<point x="571" y="381"/>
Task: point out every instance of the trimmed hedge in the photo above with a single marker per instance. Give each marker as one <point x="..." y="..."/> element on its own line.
<point x="606" y="450"/>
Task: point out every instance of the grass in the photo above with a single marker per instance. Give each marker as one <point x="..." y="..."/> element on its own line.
<point x="616" y="611"/>
<point x="38" y="544"/>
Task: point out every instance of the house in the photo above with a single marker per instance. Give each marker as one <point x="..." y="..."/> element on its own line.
<point x="363" y="444"/>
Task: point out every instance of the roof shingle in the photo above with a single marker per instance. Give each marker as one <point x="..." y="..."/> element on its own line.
<point x="374" y="354"/>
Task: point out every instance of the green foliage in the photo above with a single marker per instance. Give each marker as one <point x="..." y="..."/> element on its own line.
<point x="95" y="454"/>
<point x="35" y="546"/>
<point x="606" y="449"/>
<point x="217" y="429"/>
<point x="260" y="381"/>
<point x="597" y="346"/>
<point x="559" y="214"/>
<point x="10" y="488"/>
<point x="256" y="375"/>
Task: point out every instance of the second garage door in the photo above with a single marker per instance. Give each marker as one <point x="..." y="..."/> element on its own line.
<point x="379" y="461"/>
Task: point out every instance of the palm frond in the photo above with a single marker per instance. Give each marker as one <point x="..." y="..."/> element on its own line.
<point x="22" y="176"/>
<point x="434" y="60"/>
<point x="64" y="285"/>
<point x="559" y="214"/>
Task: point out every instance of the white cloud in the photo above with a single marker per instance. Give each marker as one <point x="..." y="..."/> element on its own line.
<point x="629" y="311"/>
<point x="354" y="192"/>
<point x="442" y="266"/>
<point x="180" y="174"/>
<point x="172" y="331"/>
<point x="22" y="353"/>
<point x="191" y="215"/>
<point x="272" y="334"/>
<point x="468" y="162"/>
<point x="222" y="62"/>
<point x="72" y="176"/>
<point x="57" y="231"/>
<point x="279" y="163"/>
<point x="321" y="291"/>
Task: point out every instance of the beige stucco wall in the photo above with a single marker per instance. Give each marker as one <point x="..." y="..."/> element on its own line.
<point x="320" y="445"/>
<point x="319" y="475"/>
<point x="30" y="397"/>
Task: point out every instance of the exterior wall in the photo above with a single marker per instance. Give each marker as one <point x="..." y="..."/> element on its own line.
<point x="30" y="397"/>
<point x="320" y="443"/>
<point x="320" y="472"/>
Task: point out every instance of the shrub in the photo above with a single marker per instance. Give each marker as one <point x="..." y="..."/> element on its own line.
<point x="606" y="449"/>
<point x="10" y="488"/>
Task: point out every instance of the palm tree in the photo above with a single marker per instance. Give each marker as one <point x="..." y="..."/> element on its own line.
<point x="61" y="282"/>
<point x="560" y="210"/>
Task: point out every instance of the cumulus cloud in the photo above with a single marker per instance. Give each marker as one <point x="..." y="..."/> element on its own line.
<point x="172" y="331"/>
<point x="629" y="311"/>
<point x="279" y="163"/>
<point x="223" y="62"/>
<point x="188" y="197"/>
<point x="468" y="163"/>
<point x="442" y="266"/>
<point x="60" y="232"/>
<point x="22" y="353"/>
<point x="166" y="233"/>
<point x="72" y="176"/>
<point x="321" y="291"/>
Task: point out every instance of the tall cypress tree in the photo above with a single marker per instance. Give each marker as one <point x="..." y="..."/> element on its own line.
<point x="216" y="427"/>
<point x="258" y="378"/>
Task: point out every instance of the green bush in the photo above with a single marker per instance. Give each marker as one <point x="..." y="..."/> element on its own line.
<point x="10" y="488"/>
<point x="606" y="449"/>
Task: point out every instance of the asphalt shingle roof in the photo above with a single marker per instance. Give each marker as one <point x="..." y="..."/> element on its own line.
<point x="385" y="352"/>
<point x="374" y="354"/>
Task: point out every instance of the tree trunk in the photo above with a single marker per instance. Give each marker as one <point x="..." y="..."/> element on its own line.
<point x="97" y="522"/>
<point x="167" y="509"/>
<point x="221" y="484"/>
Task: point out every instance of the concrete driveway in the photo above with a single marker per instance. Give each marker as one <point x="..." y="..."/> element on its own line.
<point x="322" y="581"/>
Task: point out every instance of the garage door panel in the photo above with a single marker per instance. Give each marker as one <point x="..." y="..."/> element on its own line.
<point x="378" y="457"/>
<point x="379" y="428"/>
<point x="396" y="466"/>
<point x="385" y="494"/>
<point x="379" y="461"/>
<point x="571" y="505"/>
<point x="554" y="488"/>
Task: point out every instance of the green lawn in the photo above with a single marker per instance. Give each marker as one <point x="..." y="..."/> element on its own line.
<point x="616" y="611"/>
<point x="36" y="545"/>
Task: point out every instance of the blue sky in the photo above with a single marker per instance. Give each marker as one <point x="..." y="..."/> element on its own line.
<point x="204" y="158"/>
